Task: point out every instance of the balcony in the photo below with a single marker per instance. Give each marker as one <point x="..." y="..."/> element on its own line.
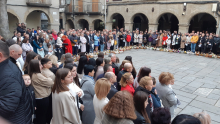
<point x="39" y="3"/>
<point x="88" y="9"/>
<point x="69" y="9"/>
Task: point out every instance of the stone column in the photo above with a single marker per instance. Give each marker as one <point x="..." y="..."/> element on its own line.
<point x="153" y="26"/>
<point x="109" y="25"/>
<point x="91" y="26"/>
<point x="128" y="26"/>
<point x="183" y="28"/>
<point x="54" y="26"/>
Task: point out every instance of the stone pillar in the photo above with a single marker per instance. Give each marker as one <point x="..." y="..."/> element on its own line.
<point x="91" y="26"/>
<point x="109" y="25"/>
<point x="183" y="28"/>
<point x="54" y="26"/>
<point x="128" y="26"/>
<point x="153" y="26"/>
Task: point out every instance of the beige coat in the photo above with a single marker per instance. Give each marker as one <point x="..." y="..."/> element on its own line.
<point x="42" y="85"/>
<point x="47" y="73"/>
<point x="65" y="110"/>
<point x="160" y="41"/>
<point x="183" y="41"/>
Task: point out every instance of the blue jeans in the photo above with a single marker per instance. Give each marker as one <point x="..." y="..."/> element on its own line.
<point x="75" y="48"/>
<point x="193" y="47"/>
<point x="102" y="47"/>
<point x="91" y="49"/>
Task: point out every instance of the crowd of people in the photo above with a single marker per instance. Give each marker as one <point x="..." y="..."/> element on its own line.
<point x="41" y="83"/>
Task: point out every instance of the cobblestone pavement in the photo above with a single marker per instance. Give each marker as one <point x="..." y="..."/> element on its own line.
<point x="197" y="78"/>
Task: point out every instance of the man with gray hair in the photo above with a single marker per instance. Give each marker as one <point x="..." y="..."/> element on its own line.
<point x="15" y="53"/>
<point x="113" y="59"/>
<point x="73" y="39"/>
<point x="127" y="68"/>
<point x="112" y="78"/>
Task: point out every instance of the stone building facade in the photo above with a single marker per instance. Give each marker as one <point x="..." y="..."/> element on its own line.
<point x="29" y="12"/>
<point x="180" y="15"/>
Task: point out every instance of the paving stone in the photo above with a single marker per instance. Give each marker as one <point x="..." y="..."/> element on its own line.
<point x="183" y="104"/>
<point x="190" y="110"/>
<point x="205" y="106"/>
<point x="188" y="89"/>
<point x="218" y="103"/>
<point x="216" y="91"/>
<point x="182" y="93"/>
<point x="206" y="100"/>
<point x="203" y="91"/>
<point x="195" y="84"/>
<point x="210" y="86"/>
<point x="213" y="96"/>
<point x="183" y="98"/>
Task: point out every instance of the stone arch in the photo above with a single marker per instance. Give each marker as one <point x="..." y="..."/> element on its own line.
<point x="117" y="20"/>
<point x="98" y="24"/>
<point x="36" y="18"/>
<point x="46" y="11"/>
<point x="140" y="21"/>
<point x="14" y="13"/>
<point x="83" y="23"/>
<point x="168" y="21"/>
<point x="161" y="14"/>
<point x="69" y="24"/>
<point x="13" y="20"/>
<point x="196" y="13"/>
<point x="202" y="22"/>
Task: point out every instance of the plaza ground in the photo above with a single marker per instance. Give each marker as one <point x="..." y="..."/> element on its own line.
<point x="197" y="78"/>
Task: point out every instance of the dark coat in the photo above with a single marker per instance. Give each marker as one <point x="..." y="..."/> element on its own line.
<point x="32" y="101"/>
<point x="87" y="39"/>
<point x="156" y="99"/>
<point x="41" y="40"/>
<point x="116" y="68"/>
<point x="14" y="105"/>
<point x="140" y="119"/>
<point x="102" y="40"/>
<point x="150" y="107"/>
<point x="72" y="38"/>
<point x="54" y="69"/>
<point x="100" y="76"/>
<point x="22" y="31"/>
<point x="112" y="92"/>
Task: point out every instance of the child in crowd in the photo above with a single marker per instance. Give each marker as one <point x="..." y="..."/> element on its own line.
<point x="41" y="50"/>
<point x="168" y="42"/>
<point x="155" y="97"/>
<point x="30" y="91"/>
<point x="50" y="49"/>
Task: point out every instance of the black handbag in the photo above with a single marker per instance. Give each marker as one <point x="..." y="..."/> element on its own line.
<point x="79" y="100"/>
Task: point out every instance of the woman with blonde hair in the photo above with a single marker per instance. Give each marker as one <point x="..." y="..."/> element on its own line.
<point x="120" y="109"/>
<point x="204" y="117"/>
<point x="126" y="83"/>
<point x="55" y="66"/>
<point x="102" y="88"/>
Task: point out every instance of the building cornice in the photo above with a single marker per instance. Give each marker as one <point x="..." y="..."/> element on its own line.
<point x="118" y="3"/>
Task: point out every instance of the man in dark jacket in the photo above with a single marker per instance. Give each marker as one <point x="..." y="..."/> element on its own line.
<point x="113" y="59"/>
<point x="216" y="41"/>
<point x="73" y="39"/>
<point x="107" y="68"/>
<point x="14" y="105"/>
<point x="19" y="29"/>
<point x="87" y="42"/>
<point x="112" y="79"/>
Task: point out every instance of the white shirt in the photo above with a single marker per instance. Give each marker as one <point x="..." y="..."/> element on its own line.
<point x="74" y="89"/>
<point x="98" y="108"/>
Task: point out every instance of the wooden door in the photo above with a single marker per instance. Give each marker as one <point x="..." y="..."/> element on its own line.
<point x="80" y="5"/>
<point x="95" y="6"/>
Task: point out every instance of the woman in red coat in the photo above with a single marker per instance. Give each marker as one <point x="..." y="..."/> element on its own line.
<point x="164" y="43"/>
<point x="67" y="42"/>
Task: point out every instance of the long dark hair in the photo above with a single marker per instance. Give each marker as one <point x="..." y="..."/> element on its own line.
<point x="29" y="57"/>
<point x="144" y="71"/>
<point x="58" y="86"/>
<point x="129" y="58"/>
<point x="33" y="67"/>
<point x="139" y="103"/>
<point x="82" y="62"/>
<point x="70" y="67"/>
<point x="92" y="62"/>
<point x="98" y="62"/>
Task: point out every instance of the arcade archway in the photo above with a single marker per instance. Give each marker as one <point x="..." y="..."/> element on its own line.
<point x="203" y="22"/>
<point x="168" y="22"/>
<point x="140" y="22"/>
<point x="99" y="25"/>
<point x="118" y="21"/>
<point x="83" y="24"/>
